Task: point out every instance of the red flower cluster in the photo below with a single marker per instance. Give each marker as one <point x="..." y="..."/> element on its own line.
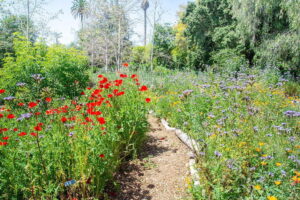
<point x="103" y="95"/>
<point x="143" y="88"/>
<point x="48" y="99"/>
<point x="32" y="104"/>
<point x="125" y="65"/>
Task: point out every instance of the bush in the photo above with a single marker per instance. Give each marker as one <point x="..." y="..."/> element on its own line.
<point x="56" y="70"/>
<point x="228" y="60"/>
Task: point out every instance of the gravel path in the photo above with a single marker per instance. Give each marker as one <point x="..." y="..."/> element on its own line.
<point x="161" y="170"/>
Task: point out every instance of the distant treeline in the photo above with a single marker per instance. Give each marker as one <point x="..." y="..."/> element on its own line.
<point x="230" y="34"/>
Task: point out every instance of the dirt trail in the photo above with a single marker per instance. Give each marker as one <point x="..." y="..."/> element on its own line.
<point x="161" y="170"/>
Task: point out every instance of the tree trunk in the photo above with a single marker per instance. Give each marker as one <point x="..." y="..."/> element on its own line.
<point x="28" y="18"/>
<point x="145" y="28"/>
<point x="119" y="45"/>
<point x="106" y="57"/>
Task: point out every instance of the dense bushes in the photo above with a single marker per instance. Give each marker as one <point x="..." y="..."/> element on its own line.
<point x="228" y="34"/>
<point x="63" y="70"/>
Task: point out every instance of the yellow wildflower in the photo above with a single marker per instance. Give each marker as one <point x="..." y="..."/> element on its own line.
<point x="261" y="143"/>
<point x="263" y="163"/>
<point x="297" y="173"/>
<point x="277" y="182"/>
<point x="272" y="198"/>
<point x="289" y="151"/>
<point x="257" y="187"/>
<point x="242" y="144"/>
<point x="278" y="164"/>
<point x="296" y="179"/>
<point x="258" y="149"/>
<point x="297" y="146"/>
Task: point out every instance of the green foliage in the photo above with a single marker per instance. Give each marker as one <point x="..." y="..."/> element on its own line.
<point x="140" y="57"/>
<point x="64" y="69"/>
<point x="228" y="60"/>
<point x="163" y="45"/>
<point x="283" y="51"/>
<point x="292" y="89"/>
<point x="231" y="34"/>
<point x="8" y="26"/>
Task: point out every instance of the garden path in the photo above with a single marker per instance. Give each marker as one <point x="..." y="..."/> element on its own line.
<point x="161" y="170"/>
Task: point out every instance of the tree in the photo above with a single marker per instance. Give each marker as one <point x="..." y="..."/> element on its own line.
<point x="34" y="12"/>
<point x="106" y="34"/>
<point x="79" y="9"/>
<point x="145" y="6"/>
<point x="8" y="26"/>
<point x="164" y="38"/>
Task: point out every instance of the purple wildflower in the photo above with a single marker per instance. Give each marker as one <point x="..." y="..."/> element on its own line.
<point x="218" y="154"/>
<point x="10" y="98"/>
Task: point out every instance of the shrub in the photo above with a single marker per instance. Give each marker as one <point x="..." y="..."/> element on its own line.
<point x="56" y="69"/>
<point x="228" y="60"/>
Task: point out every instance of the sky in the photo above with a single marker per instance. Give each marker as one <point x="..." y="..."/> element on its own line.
<point x="67" y="25"/>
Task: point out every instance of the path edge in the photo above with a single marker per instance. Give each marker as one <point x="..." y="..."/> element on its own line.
<point x="192" y="145"/>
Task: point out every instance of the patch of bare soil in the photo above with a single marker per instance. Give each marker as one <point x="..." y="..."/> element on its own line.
<point x="161" y="170"/>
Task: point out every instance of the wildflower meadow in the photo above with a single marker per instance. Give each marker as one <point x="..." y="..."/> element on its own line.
<point x="246" y="126"/>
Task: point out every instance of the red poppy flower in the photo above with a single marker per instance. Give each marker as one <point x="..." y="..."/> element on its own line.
<point x="15" y="129"/>
<point x="37" y="113"/>
<point x="148" y="100"/>
<point x="72" y="118"/>
<point x="48" y="99"/>
<point x="22" y="134"/>
<point x="110" y="96"/>
<point x="143" y="88"/>
<point x="123" y="76"/>
<point x="63" y="119"/>
<point x="133" y="76"/>
<point x="125" y="64"/>
<point x="4" y="129"/>
<point x="100" y="76"/>
<point x="118" y="82"/>
<point x="120" y="93"/>
<point x="82" y="93"/>
<point x="5" y="138"/>
<point x="38" y="128"/>
<point x="10" y="116"/>
<point x="34" y="134"/>
<point x="101" y="120"/>
<point x="3" y="143"/>
<point x="101" y="155"/>
<point x="32" y="105"/>
<point x="97" y="113"/>
<point x="87" y="119"/>
<point x="2" y="91"/>
<point x="1" y="115"/>
<point x="89" y="88"/>
<point x="21" y="104"/>
<point x="104" y="80"/>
